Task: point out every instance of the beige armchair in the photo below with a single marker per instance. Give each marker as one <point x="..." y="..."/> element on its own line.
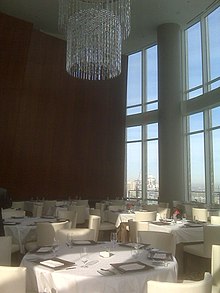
<point x="203" y="286"/>
<point x="215" y="268"/>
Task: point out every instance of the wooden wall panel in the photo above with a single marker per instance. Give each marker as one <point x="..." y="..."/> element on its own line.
<point x="64" y="137"/>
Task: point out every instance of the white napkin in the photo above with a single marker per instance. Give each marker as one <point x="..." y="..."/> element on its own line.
<point x="45" y="249"/>
<point x="51" y="263"/>
<point x="160" y="255"/>
<point x="82" y="242"/>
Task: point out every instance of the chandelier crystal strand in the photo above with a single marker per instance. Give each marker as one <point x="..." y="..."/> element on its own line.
<point x="94" y="30"/>
<point x="120" y="8"/>
<point x="94" y="44"/>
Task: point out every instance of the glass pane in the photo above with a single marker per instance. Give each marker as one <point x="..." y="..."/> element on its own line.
<point x="134" y="133"/>
<point x="134" y="79"/>
<point x="215" y="85"/>
<point x="213" y="24"/>
<point x="194" y="56"/>
<point x="152" y="167"/>
<point x="197" y="167"/>
<point x="195" y="93"/>
<point x="152" y="106"/>
<point x="152" y="131"/>
<point x="196" y="122"/>
<point x="134" y="169"/>
<point x="216" y="117"/>
<point x="134" y="110"/>
<point x="216" y="165"/>
<point x="152" y="74"/>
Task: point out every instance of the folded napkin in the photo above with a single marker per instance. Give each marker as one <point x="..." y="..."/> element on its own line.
<point x="45" y="249"/>
<point x="51" y="263"/>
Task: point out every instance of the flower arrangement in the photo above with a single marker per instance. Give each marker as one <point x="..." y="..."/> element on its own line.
<point x="177" y="213"/>
<point x="129" y="206"/>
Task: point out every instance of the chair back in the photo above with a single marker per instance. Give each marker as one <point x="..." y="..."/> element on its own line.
<point x="13" y="279"/>
<point x="95" y="211"/>
<point x="75" y="234"/>
<point x="116" y="208"/>
<point x="145" y="216"/>
<point x="68" y="215"/>
<point x="150" y="207"/>
<point x="8" y="213"/>
<point x="49" y="207"/>
<point x="81" y="213"/>
<point x="200" y="214"/>
<point x="134" y="228"/>
<point x="160" y="240"/>
<point x="215" y="265"/>
<point x="203" y="286"/>
<point x="94" y="223"/>
<point x="37" y="210"/>
<point x="164" y="213"/>
<point x="211" y="237"/>
<point x="188" y="210"/>
<point x="215" y="220"/>
<point x="163" y="204"/>
<point x="46" y="232"/>
<point x="5" y="251"/>
<point x="18" y="205"/>
<point x="82" y="202"/>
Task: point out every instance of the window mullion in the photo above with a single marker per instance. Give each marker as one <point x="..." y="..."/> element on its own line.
<point x="205" y="54"/>
<point x="207" y="154"/>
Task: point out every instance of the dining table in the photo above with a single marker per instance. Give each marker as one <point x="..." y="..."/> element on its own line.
<point x="23" y="229"/>
<point x="185" y="231"/>
<point x="109" y="268"/>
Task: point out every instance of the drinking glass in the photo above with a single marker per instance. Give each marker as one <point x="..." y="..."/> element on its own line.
<point x="113" y="239"/>
<point x="69" y="240"/>
<point x="84" y="256"/>
<point x="135" y="252"/>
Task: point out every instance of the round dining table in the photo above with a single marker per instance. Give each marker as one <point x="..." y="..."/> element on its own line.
<point x="110" y="268"/>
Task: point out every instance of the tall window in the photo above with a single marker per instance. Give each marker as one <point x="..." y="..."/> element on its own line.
<point x="142" y="131"/>
<point x="202" y="63"/>
<point x="202" y="42"/>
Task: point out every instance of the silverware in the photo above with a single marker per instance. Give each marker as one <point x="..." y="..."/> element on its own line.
<point x="70" y="268"/>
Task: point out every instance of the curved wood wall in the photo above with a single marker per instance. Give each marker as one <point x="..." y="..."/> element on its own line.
<point x="59" y="136"/>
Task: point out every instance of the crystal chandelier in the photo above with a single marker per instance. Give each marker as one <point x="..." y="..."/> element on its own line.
<point x="94" y="30"/>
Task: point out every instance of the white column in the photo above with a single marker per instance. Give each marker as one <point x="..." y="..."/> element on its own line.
<point x="170" y="122"/>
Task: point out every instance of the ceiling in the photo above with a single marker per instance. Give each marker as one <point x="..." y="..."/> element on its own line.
<point x="146" y="15"/>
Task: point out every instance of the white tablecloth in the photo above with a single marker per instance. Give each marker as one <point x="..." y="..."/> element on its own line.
<point x="88" y="280"/>
<point x="182" y="234"/>
<point x="117" y="218"/>
<point x="24" y="229"/>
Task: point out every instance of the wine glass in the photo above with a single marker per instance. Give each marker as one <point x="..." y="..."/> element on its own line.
<point x="84" y="256"/>
<point x="113" y="239"/>
<point x="69" y="240"/>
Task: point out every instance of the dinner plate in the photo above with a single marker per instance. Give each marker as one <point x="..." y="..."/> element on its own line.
<point x="83" y="242"/>
<point x="10" y="223"/>
<point x="134" y="266"/>
<point x="160" y="255"/>
<point x="134" y="245"/>
<point x="55" y="263"/>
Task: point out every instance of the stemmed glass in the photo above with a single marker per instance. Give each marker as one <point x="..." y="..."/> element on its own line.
<point x="69" y="240"/>
<point x="84" y="256"/>
<point x="113" y="239"/>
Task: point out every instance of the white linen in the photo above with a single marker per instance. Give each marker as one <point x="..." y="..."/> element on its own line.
<point x="24" y="230"/>
<point x="117" y="218"/>
<point x="182" y="235"/>
<point x="83" y="280"/>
